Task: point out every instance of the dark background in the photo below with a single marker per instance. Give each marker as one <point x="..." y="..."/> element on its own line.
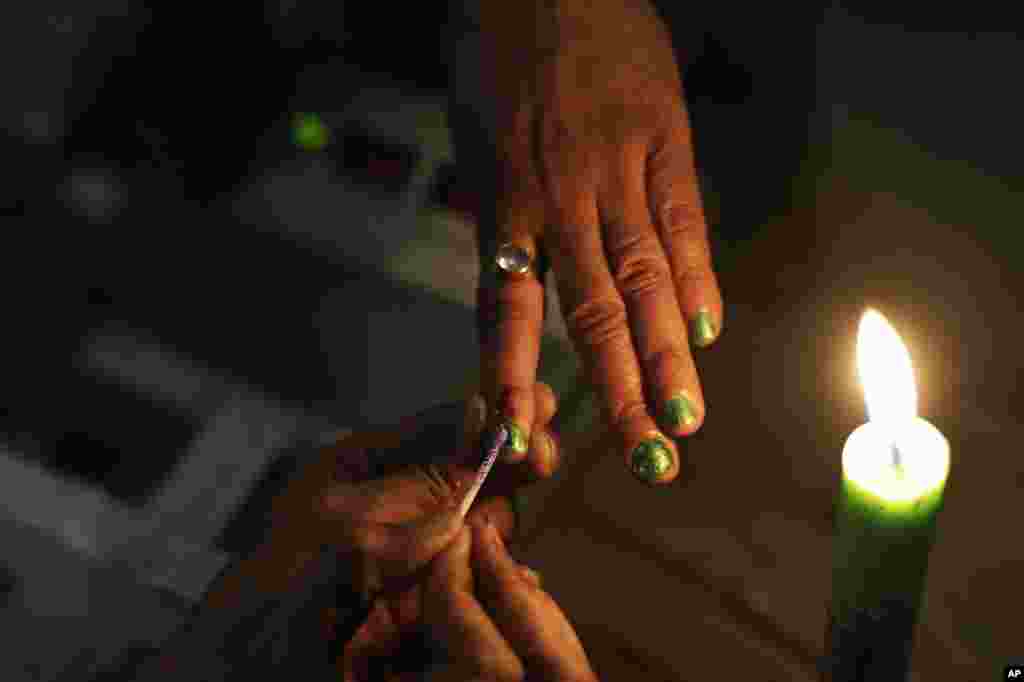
<point x="890" y="130"/>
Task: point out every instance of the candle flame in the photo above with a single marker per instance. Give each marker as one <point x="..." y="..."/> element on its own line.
<point x="885" y="370"/>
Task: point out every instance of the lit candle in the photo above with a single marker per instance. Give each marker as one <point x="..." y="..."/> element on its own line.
<point x="894" y="472"/>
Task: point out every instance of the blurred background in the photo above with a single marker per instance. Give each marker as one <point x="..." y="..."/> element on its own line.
<point x="228" y="234"/>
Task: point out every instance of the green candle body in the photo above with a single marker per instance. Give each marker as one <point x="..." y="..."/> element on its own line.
<point x="886" y="517"/>
<point x="878" y="554"/>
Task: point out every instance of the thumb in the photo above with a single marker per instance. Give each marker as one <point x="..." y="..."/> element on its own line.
<point x="406" y="548"/>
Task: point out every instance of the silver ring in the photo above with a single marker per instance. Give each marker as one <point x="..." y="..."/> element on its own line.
<point x="513" y="259"/>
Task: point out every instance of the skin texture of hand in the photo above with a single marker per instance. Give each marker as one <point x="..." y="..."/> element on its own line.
<point x="387" y="502"/>
<point x="492" y="614"/>
<point x="592" y="170"/>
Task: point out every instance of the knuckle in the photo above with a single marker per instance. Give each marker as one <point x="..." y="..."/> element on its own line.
<point x="682" y="220"/>
<point x="598" y="322"/>
<point x="637" y="268"/>
<point x="640" y="274"/>
<point x="626" y="412"/>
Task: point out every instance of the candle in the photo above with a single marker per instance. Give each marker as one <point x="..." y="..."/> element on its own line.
<point x="894" y="472"/>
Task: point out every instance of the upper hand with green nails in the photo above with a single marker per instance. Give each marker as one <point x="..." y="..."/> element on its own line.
<point x="589" y="165"/>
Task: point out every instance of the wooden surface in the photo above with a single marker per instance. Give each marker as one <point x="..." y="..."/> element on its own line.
<point x="726" y="573"/>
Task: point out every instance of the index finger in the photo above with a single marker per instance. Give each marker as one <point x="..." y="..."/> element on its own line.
<point x="510" y="310"/>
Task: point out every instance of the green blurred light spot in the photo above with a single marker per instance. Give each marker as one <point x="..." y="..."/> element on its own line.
<point x="310" y="133"/>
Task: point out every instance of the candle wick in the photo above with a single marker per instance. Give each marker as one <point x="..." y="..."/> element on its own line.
<point x="897" y="458"/>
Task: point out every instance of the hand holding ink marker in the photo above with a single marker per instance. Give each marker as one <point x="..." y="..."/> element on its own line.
<point x="494" y="446"/>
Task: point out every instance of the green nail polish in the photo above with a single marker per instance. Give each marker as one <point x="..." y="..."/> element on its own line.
<point x="680" y="413"/>
<point x="702" y="329"/>
<point x="516" y="438"/>
<point x="651" y="460"/>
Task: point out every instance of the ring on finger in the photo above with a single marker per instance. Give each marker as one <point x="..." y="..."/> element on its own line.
<point x="514" y="259"/>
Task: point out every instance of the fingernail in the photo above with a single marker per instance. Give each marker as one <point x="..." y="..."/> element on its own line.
<point x="651" y="460"/>
<point x="702" y="328"/>
<point x="517" y="441"/>
<point x="680" y="412"/>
